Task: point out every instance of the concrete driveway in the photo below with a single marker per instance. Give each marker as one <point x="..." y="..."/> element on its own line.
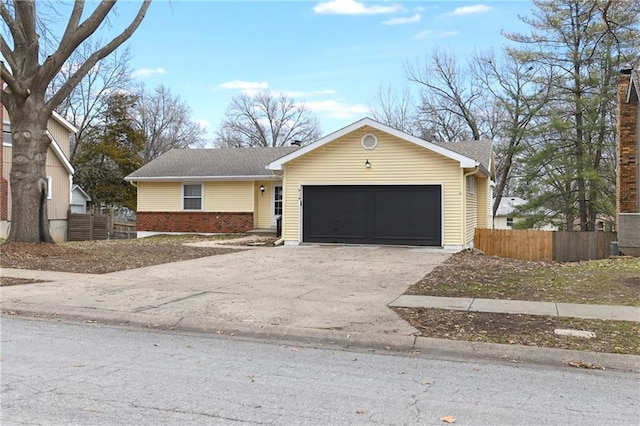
<point x="311" y="287"/>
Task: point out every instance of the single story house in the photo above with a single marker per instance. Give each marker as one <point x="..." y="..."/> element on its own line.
<point x="628" y="167"/>
<point x="59" y="175"/>
<point x="506" y="215"/>
<point x="366" y="183"/>
<point x="79" y="200"/>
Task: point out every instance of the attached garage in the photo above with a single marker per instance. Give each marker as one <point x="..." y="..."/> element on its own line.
<point x="371" y="184"/>
<point x="372" y="214"/>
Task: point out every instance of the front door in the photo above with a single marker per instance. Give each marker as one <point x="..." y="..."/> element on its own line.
<point x="277" y="203"/>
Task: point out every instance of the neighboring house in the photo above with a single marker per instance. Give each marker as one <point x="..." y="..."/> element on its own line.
<point x="628" y="167"/>
<point x="506" y="215"/>
<point x="79" y="200"/>
<point x="59" y="175"/>
<point x="366" y="183"/>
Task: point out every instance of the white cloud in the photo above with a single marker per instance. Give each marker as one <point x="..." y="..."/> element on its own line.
<point x="467" y="10"/>
<point x="145" y="72"/>
<point x="353" y="7"/>
<point x="338" y="109"/>
<point x="245" y="85"/>
<point x="401" y="21"/>
<point x="422" y="34"/>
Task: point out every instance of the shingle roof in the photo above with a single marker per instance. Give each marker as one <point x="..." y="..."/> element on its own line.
<point x="478" y="150"/>
<point x="210" y="163"/>
<point x="509" y="204"/>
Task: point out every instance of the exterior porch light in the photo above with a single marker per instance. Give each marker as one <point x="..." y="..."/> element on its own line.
<point x="262" y="189"/>
<point x="367" y="164"/>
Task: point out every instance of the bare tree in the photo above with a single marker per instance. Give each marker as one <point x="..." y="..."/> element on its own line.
<point x="449" y="98"/>
<point x="29" y="108"/>
<point x="166" y="123"/>
<point x="88" y="100"/>
<point x="266" y="120"/>
<point x="395" y="108"/>
<point x="518" y="91"/>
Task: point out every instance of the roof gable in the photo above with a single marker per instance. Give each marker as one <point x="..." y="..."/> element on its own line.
<point x="465" y="160"/>
<point x="634" y="87"/>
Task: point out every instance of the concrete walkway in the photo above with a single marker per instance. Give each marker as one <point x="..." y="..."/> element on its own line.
<point x="574" y="310"/>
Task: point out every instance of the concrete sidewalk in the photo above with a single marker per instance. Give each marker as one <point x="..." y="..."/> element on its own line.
<point x="575" y="310"/>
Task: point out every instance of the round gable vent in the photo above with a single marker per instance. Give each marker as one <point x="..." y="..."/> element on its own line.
<point x="369" y="141"/>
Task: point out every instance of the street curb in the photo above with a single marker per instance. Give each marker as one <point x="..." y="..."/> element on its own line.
<point x="424" y="347"/>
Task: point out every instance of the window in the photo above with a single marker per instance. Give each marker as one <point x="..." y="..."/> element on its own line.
<point x="192" y="196"/>
<point x="471" y="184"/>
<point x="6" y="134"/>
<point x="277" y="200"/>
<point x="49" y="187"/>
<point x="510" y="222"/>
<point x="369" y="141"/>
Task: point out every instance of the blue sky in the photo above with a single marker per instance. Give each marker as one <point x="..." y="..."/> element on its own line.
<point x="333" y="55"/>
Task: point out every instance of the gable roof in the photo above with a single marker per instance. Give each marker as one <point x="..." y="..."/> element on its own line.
<point x="481" y="151"/>
<point x="462" y="154"/>
<point x="633" y="90"/>
<point x="77" y="189"/>
<point x="55" y="146"/>
<point x="508" y="205"/>
<point x="64" y="122"/>
<point x="211" y="164"/>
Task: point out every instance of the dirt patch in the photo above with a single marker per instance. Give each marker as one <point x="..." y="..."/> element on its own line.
<point x="100" y="257"/>
<point x="530" y="330"/>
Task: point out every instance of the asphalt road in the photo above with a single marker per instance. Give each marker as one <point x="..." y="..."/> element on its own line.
<point x="63" y="373"/>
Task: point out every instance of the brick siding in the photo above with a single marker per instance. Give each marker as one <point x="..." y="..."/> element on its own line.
<point x="627" y="150"/>
<point x="206" y="222"/>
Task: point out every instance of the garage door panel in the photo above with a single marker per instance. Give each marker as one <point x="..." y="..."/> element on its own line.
<point x="380" y="214"/>
<point x="332" y="215"/>
<point x="405" y="214"/>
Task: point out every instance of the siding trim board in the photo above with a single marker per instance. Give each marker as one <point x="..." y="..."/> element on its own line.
<point x="252" y="178"/>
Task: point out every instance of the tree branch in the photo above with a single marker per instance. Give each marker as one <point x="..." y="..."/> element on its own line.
<point x="11" y="23"/>
<point x="74" y="19"/>
<point x="16" y="90"/>
<point x="97" y="56"/>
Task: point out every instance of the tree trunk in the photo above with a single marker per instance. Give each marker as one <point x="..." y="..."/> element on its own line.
<point x="28" y="179"/>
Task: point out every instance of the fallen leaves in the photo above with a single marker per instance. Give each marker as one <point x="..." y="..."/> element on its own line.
<point x="580" y="364"/>
<point x="448" y="419"/>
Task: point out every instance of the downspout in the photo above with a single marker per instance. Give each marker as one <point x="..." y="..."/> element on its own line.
<point x="464" y="204"/>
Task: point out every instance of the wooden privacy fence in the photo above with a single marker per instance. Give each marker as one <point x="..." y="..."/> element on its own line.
<point x="561" y="246"/>
<point x="87" y="227"/>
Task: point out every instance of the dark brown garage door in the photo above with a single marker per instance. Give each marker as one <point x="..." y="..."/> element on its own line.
<point x="376" y="214"/>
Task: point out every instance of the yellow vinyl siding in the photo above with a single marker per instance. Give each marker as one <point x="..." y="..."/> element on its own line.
<point x="484" y="206"/>
<point x="393" y="161"/>
<point x="228" y="196"/>
<point x="472" y="212"/>
<point x="217" y="196"/>
<point x="263" y="217"/>
<point x="159" y="196"/>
